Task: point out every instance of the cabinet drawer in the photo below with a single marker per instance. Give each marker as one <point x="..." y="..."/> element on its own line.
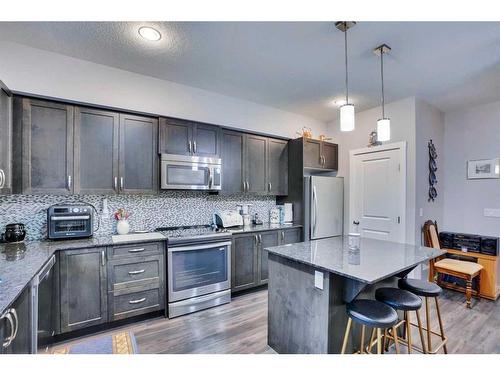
<point x="126" y="304"/>
<point x="122" y="272"/>
<point x="138" y="249"/>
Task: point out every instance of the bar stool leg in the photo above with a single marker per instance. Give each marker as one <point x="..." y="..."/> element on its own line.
<point x="362" y="345"/>
<point x="428" y="321"/>
<point x="395" y="336"/>
<point x="420" y="331"/>
<point x="346" y="335"/>
<point x="408" y="330"/>
<point x="384" y="341"/>
<point x="370" y="344"/>
<point x="441" y="329"/>
<point x="379" y="341"/>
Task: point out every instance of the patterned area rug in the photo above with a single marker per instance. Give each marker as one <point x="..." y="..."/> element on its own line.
<point x="118" y="343"/>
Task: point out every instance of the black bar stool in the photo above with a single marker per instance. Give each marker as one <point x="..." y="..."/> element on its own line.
<point x="373" y="314"/>
<point x="427" y="290"/>
<point x="405" y="301"/>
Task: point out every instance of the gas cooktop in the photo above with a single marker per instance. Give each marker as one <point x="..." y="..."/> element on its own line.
<point x="201" y="233"/>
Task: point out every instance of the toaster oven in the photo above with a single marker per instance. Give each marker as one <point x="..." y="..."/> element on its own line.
<point x="70" y="221"/>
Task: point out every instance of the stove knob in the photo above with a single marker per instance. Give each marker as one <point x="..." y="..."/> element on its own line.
<point x="75" y="209"/>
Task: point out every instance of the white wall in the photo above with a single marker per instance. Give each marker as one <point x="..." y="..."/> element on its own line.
<point x="472" y="133"/>
<point x="402" y="115"/>
<point x="429" y="125"/>
<point x="45" y="73"/>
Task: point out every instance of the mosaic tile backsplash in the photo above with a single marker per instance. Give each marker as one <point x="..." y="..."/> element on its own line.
<point x="169" y="208"/>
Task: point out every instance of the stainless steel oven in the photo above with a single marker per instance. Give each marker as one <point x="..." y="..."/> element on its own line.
<point x="190" y="172"/>
<point x="199" y="275"/>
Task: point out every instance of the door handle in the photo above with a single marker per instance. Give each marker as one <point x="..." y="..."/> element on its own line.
<point x="136" y="250"/>
<point x="315" y="206"/>
<point x="69" y="182"/>
<point x="2" y="178"/>
<point x="209" y="178"/>
<point x="194" y="147"/>
<point x="115" y="183"/>
<point x="103" y="258"/>
<point x="260" y="239"/>
<point x="9" y="339"/>
<point x="190" y="147"/>
<point x="270" y="186"/>
<point x="121" y="183"/>
<point x="282" y="236"/>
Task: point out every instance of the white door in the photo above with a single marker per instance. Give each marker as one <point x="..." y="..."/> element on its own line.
<point x="378" y="191"/>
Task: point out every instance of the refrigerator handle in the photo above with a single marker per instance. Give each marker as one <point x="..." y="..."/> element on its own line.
<point x="315" y="207"/>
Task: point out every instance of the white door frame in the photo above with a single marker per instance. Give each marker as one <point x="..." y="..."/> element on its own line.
<point x="401" y="146"/>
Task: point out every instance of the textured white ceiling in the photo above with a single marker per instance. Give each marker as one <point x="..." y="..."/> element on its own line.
<point x="294" y="66"/>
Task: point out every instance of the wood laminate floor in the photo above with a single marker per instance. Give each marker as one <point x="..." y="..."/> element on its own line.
<point x="241" y="327"/>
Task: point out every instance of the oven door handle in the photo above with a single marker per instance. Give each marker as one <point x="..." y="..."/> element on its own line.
<point x="198" y="247"/>
<point x="61" y="218"/>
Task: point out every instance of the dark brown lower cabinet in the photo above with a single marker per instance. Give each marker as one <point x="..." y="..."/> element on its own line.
<point x="249" y="259"/>
<point x="83" y="288"/>
<point x="19" y="325"/>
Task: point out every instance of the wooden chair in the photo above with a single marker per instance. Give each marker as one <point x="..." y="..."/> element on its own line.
<point x="446" y="266"/>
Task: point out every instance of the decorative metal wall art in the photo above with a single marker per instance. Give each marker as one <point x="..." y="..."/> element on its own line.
<point x="432" y="171"/>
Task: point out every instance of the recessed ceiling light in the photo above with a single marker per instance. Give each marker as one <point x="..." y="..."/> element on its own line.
<point x="149" y="33"/>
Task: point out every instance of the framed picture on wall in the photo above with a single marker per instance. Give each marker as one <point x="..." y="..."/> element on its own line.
<point x="485" y="168"/>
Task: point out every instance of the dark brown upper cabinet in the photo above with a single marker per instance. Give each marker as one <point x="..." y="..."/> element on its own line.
<point x="182" y="137"/>
<point x="96" y="151"/>
<point x="254" y="164"/>
<point x="138" y="161"/>
<point x="5" y="140"/>
<point x="232" y="161"/>
<point x="319" y="154"/>
<point x="277" y="166"/>
<point x="43" y="152"/>
<point x="256" y="159"/>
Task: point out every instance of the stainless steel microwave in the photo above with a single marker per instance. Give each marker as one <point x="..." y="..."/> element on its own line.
<point x="181" y="172"/>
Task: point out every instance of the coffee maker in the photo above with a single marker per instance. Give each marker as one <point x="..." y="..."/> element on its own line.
<point x="244" y="209"/>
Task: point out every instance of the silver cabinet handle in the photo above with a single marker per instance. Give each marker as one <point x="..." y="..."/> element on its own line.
<point x="2" y="178"/>
<point x="115" y="183"/>
<point x="69" y="182"/>
<point x="134" y="301"/>
<point x="190" y="147"/>
<point x="282" y="236"/>
<point x="194" y="147"/>
<point x="270" y="186"/>
<point x="16" y="323"/>
<point x="121" y="183"/>
<point x="260" y="239"/>
<point x="9" y="339"/>
<point x="209" y="178"/>
<point x="315" y="206"/>
<point x="136" y="250"/>
<point x="103" y="257"/>
<point x="248" y="186"/>
<point x="136" y="272"/>
<point x="256" y="239"/>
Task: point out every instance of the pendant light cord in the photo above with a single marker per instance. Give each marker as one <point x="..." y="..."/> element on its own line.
<point x="346" y="73"/>
<point x="382" y="76"/>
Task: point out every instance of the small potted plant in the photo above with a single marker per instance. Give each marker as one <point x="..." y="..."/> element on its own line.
<point x="122" y="226"/>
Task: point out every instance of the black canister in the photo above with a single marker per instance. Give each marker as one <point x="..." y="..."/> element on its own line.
<point x="14" y="232"/>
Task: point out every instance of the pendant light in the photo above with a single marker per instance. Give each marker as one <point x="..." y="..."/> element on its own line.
<point x="383" y="124"/>
<point x="346" y="110"/>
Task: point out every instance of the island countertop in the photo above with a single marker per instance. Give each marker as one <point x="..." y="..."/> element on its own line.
<point x="376" y="260"/>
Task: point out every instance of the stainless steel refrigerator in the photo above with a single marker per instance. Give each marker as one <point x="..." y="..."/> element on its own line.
<point x="324" y="206"/>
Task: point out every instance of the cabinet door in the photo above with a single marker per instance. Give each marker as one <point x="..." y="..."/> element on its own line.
<point x="312" y="153"/>
<point x="4" y="332"/>
<point x="232" y="161"/>
<point x="138" y="160"/>
<point x="47" y="149"/>
<point x="255" y="158"/>
<point x="266" y="239"/>
<point x="206" y="141"/>
<point x="82" y="288"/>
<point x="22" y="307"/>
<point x="96" y="151"/>
<point x="277" y="172"/>
<point x="288" y="236"/>
<point x="5" y="140"/>
<point x="244" y="262"/>
<point x="175" y="137"/>
<point x="330" y="152"/>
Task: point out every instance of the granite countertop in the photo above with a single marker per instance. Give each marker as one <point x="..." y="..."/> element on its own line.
<point x="20" y="262"/>
<point x="375" y="261"/>
<point x="259" y="228"/>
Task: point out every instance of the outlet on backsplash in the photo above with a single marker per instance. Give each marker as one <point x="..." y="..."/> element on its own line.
<point x="169" y="208"/>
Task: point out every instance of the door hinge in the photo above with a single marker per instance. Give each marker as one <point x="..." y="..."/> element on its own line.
<point x="399" y="167"/>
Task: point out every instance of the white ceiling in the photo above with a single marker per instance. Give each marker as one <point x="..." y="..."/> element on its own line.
<point x="294" y="66"/>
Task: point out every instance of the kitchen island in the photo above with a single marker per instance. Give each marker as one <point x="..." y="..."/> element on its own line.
<point x="311" y="282"/>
